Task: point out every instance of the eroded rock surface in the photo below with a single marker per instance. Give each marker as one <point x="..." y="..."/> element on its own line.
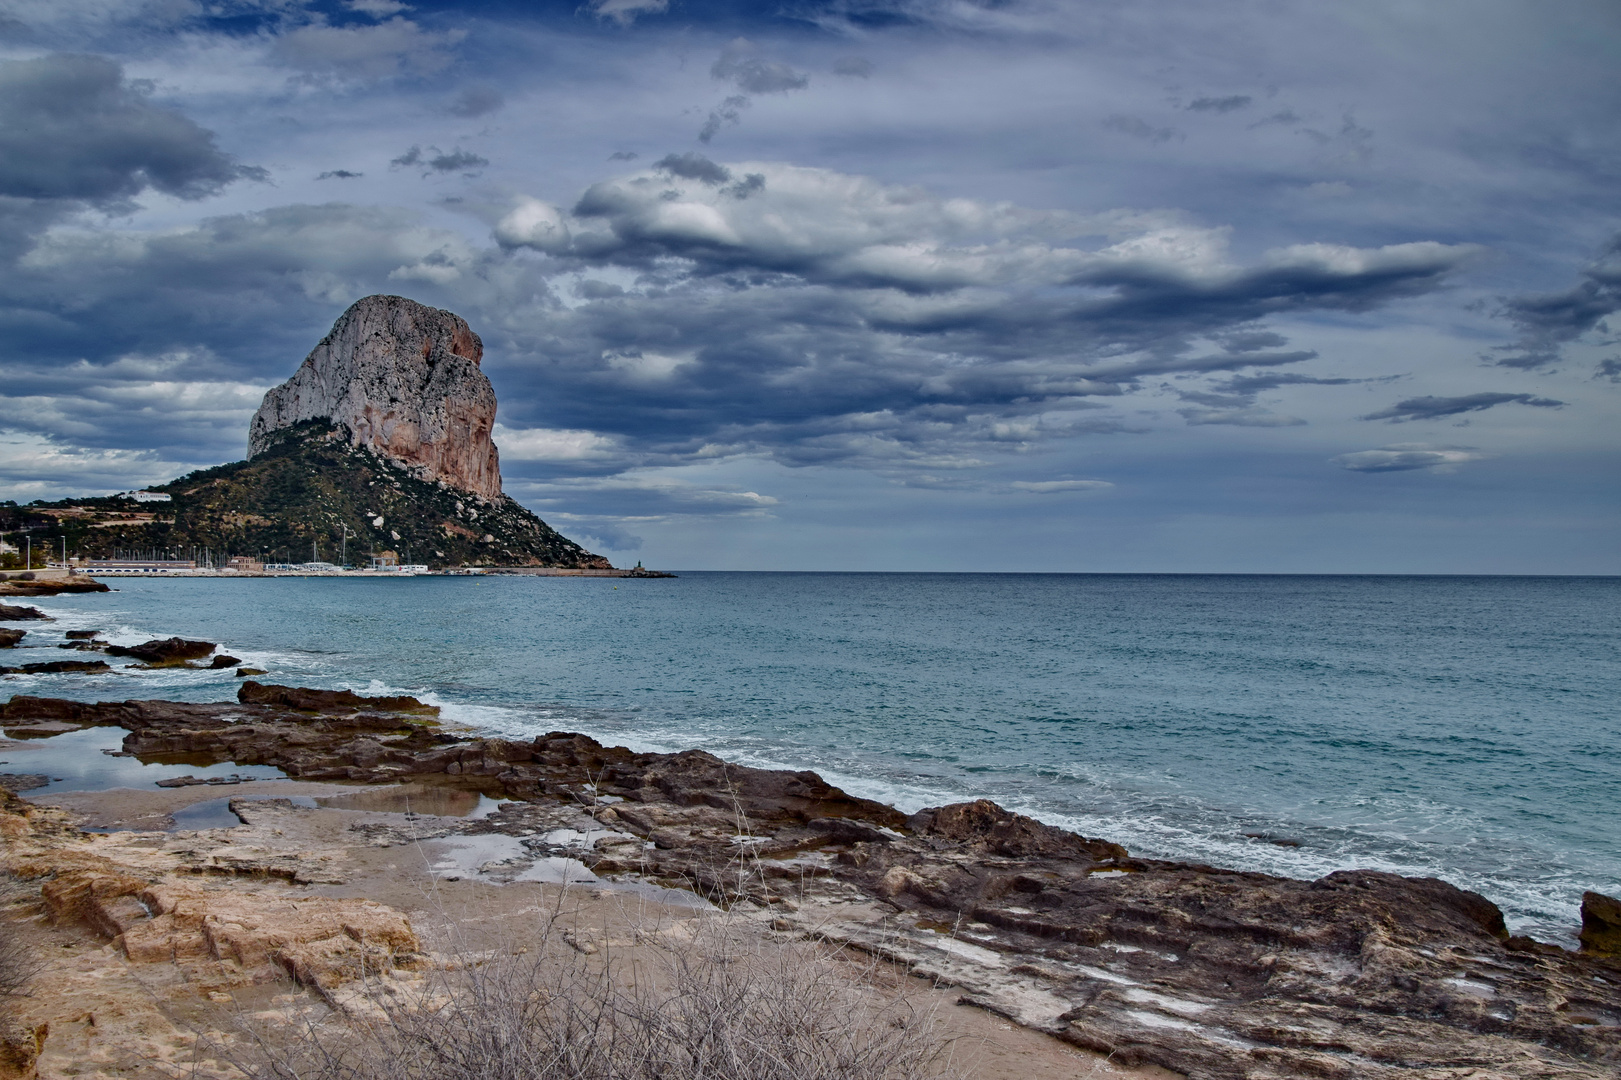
<point x="1601" y="925"/>
<point x="13" y="613"/>
<point x="179" y="926"/>
<point x="164" y="652"/>
<point x="403" y="379"/>
<point x="1217" y="974"/>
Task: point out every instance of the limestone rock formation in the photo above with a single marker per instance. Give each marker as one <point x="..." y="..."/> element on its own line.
<point x="403" y="379"/>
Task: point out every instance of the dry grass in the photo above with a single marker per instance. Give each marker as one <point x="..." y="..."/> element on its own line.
<point x="710" y="1000"/>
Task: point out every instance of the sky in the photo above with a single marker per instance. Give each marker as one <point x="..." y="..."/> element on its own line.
<point x="1149" y="285"/>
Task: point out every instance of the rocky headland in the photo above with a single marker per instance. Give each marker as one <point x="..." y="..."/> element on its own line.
<point x="379" y="442"/>
<point x="1208" y="972"/>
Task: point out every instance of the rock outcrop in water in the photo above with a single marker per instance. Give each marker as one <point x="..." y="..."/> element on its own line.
<point x="402" y="379"/>
<point x="9" y="613"/>
<point x="164" y="652"/>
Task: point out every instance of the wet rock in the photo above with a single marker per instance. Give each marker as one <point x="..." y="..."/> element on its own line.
<point x="81" y="635"/>
<point x="27" y="707"/>
<point x="244" y="672"/>
<point x="9" y="638"/>
<point x="10" y="613"/>
<point x="15" y="782"/>
<point x="1601" y="924"/>
<point x="57" y="667"/>
<point x="307" y="700"/>
<point x="80" y="584"/>
<point x="165" y="652"/>
<point x="983" y="824"/>
<point x="224" y="661"/>
<point x="193" y="781"/>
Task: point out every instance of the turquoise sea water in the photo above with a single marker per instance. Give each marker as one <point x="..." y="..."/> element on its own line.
<point x="1465" y="728"/>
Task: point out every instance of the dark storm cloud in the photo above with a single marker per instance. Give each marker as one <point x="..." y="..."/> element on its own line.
<point x="1272" y="380"/>
<point x="435" y="160"/>
<point x="740" y="63"/>
<point x="1434" y="408"/>
<point x="1549" y="321"/>
<point x="1233" y="400"/>
<point x="1249" y="339"/>
<point x="1220" y="104"/>
<point x="831" y="318"/>
<point x="752" y="184"/>
<point x="73" y="128"/>
<point x="727" y="112"/>
<point x="693" y="167"/>
<point x="476" y="101"/>
<point x="340" y="174"/>
<point x="1609" y="368"/>
<point x="1138" y="128"/>
<point x="1283" y="116"/>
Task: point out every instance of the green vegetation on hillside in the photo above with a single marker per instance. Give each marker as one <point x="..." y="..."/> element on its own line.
<point x="302" y="494"/>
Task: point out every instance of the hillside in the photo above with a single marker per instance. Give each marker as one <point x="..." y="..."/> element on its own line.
<point x="306" y="487"/>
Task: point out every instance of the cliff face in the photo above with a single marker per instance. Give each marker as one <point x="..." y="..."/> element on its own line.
<point x="402" y="379"/>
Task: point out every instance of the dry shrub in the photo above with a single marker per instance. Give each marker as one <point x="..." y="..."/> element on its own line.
<point x="16" y="967"/>
<point x="720" y="1003"/>
<point x="18" y="962"/>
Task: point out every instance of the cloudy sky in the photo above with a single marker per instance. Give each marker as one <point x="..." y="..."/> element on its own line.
<point x="860" y="284"/>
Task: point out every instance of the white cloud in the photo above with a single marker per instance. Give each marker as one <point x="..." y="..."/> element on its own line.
<point x="367" y="52"/>
<point x="1054" y="487"/>
<point x="644" y="495"/>
<point x="625" y="12"/>
<point x="1240" y="417"/>
<point x="644" y="365"/>
<point x="551" y="444"/>
<point x="378" y="9"/>
<point x="1402" y="457"/>
<point x="840" y="228"/>
<point x="39" y="467"/>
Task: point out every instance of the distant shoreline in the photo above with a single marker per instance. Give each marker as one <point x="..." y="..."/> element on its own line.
<point x="503" y="571"/>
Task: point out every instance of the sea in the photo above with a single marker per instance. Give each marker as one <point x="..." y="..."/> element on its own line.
<point x="1464" y="728"/>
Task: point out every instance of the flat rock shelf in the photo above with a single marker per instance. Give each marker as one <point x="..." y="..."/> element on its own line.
<point x="1212" y="973"/>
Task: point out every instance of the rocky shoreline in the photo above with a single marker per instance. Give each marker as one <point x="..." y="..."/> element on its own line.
<point x="1208" y="972"/>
